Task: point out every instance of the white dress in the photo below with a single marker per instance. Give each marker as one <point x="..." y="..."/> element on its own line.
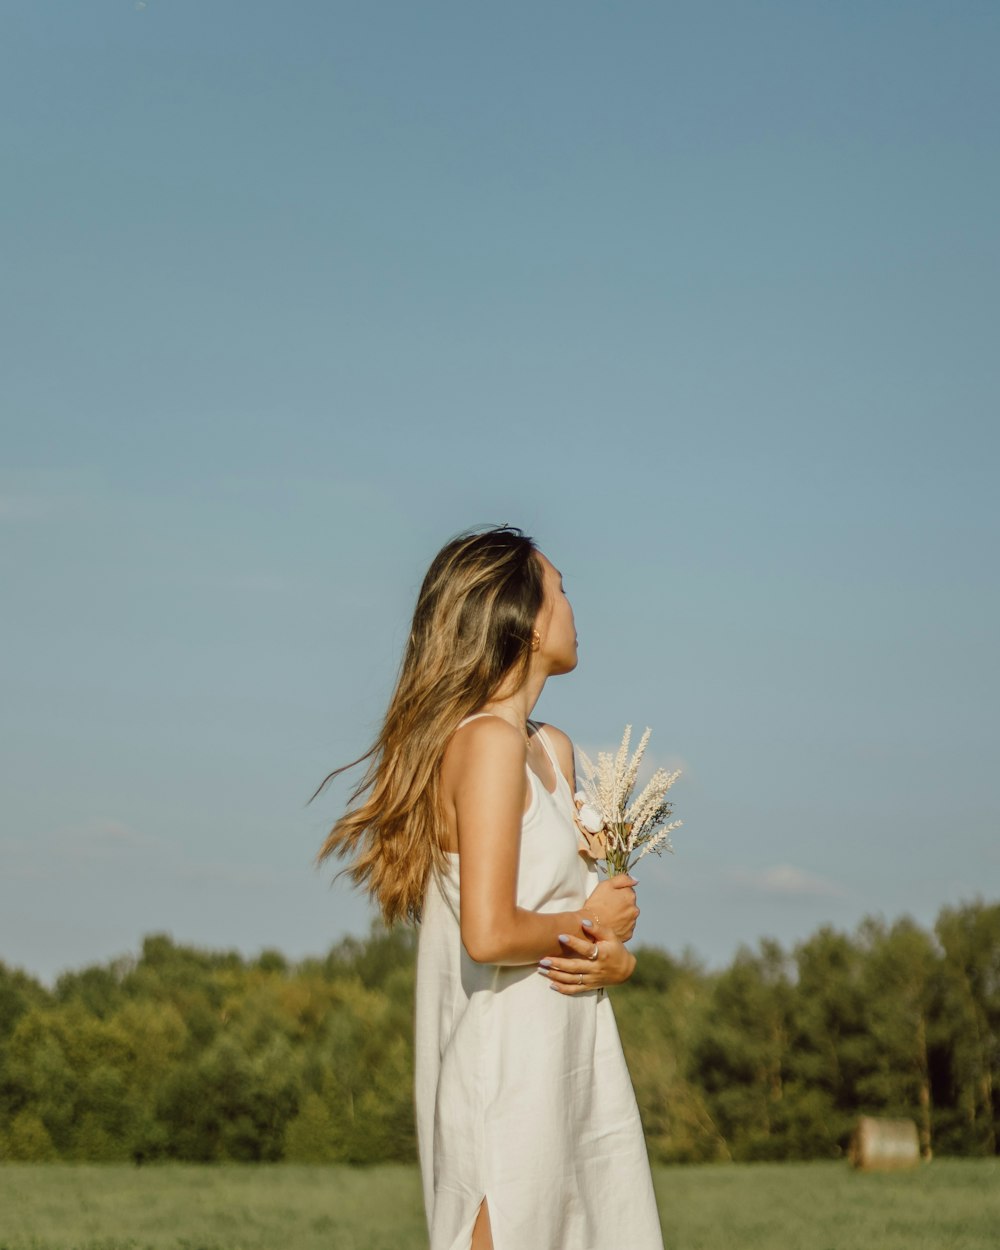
<point x="522" y="1094"/>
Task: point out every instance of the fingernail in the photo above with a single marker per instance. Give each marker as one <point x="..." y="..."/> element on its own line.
<point x="563" y="937"/>
<point x="586" y="923"/>
<point x="543" y="971"/>
<point x="546" y="963"/>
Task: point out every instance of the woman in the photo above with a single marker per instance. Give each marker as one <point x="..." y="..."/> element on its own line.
<point x="528" y="1131"/>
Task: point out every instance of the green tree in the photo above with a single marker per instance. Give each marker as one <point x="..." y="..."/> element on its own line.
<point x="28" y="1140"/>
<point x="739" y="1055"/>
<point x="19" y="994"/>
<point x="201" y="1055"/>
<point x="230" y="1104"/>
<point x="99" y="990"/>
<point x="310" y="1135"/>
<point x="39" y="1077"/>
<point x="970" y="937"/>
<point x="899" y="980"/>
<point x="657" y="1013"/>
<point x="368" y="1077"/>
<point x="831" y="1048"/>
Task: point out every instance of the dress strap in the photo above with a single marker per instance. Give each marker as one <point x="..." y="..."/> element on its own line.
<point x="474" y="716"/>
<point x="543" y="738"/>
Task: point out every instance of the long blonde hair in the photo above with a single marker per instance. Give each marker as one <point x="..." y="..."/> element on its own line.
<point x="471" y="629"/>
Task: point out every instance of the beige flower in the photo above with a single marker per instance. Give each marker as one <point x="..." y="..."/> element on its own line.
<point x="593" y="839"/>
<point x="593" y="845"/>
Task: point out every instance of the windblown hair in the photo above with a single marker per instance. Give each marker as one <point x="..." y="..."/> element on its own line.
<point x="471" y="630"/>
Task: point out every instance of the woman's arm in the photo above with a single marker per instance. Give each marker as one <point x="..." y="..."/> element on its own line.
<point x="483" y="777"/>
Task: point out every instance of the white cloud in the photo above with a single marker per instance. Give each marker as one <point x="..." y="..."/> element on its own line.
<point x="785" y="880"/>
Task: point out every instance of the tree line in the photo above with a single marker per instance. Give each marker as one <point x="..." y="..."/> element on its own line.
<point x="197" y="1055"/>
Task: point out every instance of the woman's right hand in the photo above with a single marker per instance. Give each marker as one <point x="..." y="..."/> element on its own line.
<point x="612" y="903"/>
<point x="577" y="972"/>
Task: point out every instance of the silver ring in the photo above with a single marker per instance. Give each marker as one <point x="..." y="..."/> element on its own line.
<point x="593" y="954"/>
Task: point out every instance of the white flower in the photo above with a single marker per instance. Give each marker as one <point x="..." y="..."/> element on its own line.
<point x="587" y="815"/>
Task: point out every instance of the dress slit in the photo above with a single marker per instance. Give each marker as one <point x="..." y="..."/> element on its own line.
<point x="463" y="1238"/>
<point x="483" y="1202"/>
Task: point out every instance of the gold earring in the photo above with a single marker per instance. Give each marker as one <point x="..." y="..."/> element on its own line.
<point x="536" y="640"/>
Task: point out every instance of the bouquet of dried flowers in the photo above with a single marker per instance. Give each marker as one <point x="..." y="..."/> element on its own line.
<point x="618" y="829"/>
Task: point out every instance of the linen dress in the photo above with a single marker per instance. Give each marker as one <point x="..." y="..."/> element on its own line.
<point x="522" y="1094"/>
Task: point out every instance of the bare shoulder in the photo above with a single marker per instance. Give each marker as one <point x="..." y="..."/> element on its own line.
<point x="483" y="770"/>
<point x="562" y="744"/>
<point x="487" y="741"/>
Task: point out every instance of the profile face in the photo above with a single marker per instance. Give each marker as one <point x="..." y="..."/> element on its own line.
<point x="557" y="647"/>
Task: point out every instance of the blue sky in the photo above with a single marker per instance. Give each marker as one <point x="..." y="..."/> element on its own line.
<point x="702" y="296"/>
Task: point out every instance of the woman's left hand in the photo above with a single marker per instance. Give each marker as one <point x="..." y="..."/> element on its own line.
<point x="573" y="975"/>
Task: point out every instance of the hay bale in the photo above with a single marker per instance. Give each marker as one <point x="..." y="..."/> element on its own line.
<point x="884" y="1145"/>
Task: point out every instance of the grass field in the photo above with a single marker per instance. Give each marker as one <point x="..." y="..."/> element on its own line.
<point x="950" y="1205"/>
